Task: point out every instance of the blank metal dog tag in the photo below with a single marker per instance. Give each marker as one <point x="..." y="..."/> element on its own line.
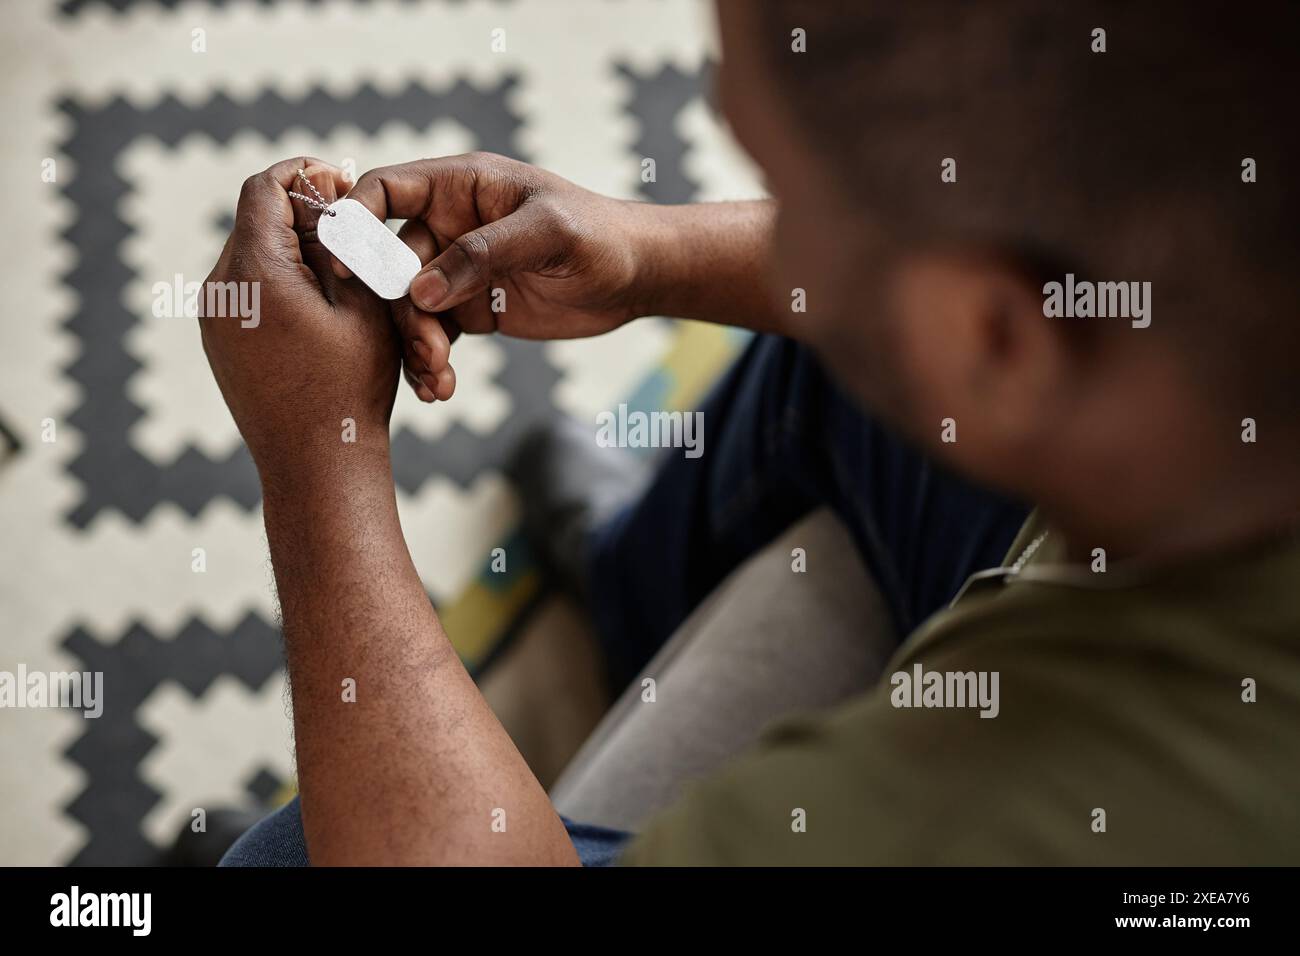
<point x="367" y="247"/>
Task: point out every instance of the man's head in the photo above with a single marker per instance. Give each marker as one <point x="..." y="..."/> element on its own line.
<point x="939" y="162"/>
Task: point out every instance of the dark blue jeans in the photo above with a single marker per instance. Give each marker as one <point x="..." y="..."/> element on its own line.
<point x="278" y="840"/>
<point x="780" y="440"/>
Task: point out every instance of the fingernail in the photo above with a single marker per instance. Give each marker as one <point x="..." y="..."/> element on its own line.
<point x="422" y="350"/>
<point x="429" y="381"/>
<point x="429" y="289"/>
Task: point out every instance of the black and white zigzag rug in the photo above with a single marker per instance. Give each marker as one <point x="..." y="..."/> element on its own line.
<point x="124" y="149"/>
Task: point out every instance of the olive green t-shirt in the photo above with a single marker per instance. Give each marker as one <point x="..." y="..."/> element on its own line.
<point x="1142" y="717"/>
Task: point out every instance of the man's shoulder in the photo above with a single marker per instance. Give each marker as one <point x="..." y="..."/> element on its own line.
<point x="1023" y="738"/>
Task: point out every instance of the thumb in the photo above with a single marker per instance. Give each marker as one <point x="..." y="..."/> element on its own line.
<point x="519" y="242"/>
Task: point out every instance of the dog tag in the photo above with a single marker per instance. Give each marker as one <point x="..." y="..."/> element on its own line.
<point x="369" y="248"/>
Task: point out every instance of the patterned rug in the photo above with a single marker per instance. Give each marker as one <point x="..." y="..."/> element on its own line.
<point x="124" y="152"/>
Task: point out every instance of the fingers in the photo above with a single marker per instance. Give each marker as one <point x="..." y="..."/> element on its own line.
<point x="267" y="218"/>
<point x="428" y="385"/>
<point x="422" y="391"/>
<point x="419" y="328"/>
<point x="405" y="191"/>
<point x="446" y="384"/>
<point x="421" y="363"/>
<point x="410" y="190"/>
<point x="328" y="181"/>
<point x="452" y="194"/>
<point x="521" y="242"/>
<point x="264" y="207"/>
<point x="426" y="346"/>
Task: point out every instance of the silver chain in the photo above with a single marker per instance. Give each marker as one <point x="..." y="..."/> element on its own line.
<point x="317" y="203"/>
<point x="1028" y="553"/>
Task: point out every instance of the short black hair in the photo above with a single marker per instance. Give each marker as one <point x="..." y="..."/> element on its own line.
<point x="1126" y="164"/>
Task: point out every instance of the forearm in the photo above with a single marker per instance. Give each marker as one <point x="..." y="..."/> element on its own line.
<point x="413" y="767"/>
<point x="708" y="261"/>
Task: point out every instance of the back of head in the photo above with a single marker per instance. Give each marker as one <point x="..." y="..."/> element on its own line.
<point x="1115" y="140"/>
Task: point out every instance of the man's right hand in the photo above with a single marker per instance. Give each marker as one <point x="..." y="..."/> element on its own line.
<point x="564" y="257"/>
<point x="570" y="263"/>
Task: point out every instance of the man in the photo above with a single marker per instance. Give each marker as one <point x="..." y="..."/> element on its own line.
<point x="944" y="173"/>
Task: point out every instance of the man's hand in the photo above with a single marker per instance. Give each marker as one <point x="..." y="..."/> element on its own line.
<point x="556" y="260"/>
<point x="400" y="760"/>
<point x="319" y="351"/>
<point x="561" y="256"/>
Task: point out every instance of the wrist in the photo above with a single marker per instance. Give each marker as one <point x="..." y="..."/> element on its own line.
<point x="335" y="539"/>
<point x="654" y="236"/>
<point x="317" y="439"/>
<point x="708" y="261"/>
<point x="329" y="470"/>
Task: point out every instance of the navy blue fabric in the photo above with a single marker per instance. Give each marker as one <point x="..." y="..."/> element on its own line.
<point x="781" y="439"/>
<point x="278" y="840"/>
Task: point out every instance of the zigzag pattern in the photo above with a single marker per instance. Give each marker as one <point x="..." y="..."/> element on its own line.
<point x="657" y="100"/>
<point x="116" y="799"/>
<point x="114" y="474"/>
<point x="70" y="8"/>
<point x="192" y="662"/>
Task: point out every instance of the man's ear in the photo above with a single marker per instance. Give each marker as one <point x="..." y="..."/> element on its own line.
<point x="981" y="354"/>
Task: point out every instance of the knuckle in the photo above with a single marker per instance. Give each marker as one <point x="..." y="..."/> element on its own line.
<point x="252" y="185"/>
<point x="475" y="251"/>
<point x="560" y="229"/>
<point x="363" y="181"/>
<point x="439" y="350"/>
<point x="367" y="183"/>
<point x="377" y="175"/>
<point x="493" y="167"/>
<point x="484" y="158"/>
